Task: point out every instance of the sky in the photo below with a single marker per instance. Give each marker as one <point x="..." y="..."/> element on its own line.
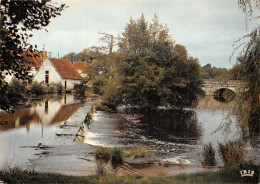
<point x="208" y="28"/>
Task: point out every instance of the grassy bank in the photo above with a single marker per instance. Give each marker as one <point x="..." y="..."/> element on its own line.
<point x="226" y="175"/>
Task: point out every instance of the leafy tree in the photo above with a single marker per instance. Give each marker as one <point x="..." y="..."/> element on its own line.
<point x="209" y="72"/>
<point x="72" y="57"/>
<point x="249" y="100"/>
<point x="17" y="18"/>
<point x="248" y="106"/>
<point x="87" y="55"/>
<point x="235" y="72"/>
<point x="102" y="71"/>
<point x="154" y="70"/>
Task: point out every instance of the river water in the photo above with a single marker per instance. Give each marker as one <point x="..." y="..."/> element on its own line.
<point x="171" y="135"/>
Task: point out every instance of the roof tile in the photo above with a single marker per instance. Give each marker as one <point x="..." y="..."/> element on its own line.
<point x="65" y="69"/>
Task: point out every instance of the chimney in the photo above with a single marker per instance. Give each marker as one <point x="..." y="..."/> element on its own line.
<point x="49" y="54"/>
<point x="44" y="53"/>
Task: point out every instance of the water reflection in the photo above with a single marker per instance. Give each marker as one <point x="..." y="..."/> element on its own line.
<point x="40" y="122"/>
<point x="171" y="125"/>
<point x="172" y="135"/>
<point x="47" y="112"/>
<point x="214" y="103"/>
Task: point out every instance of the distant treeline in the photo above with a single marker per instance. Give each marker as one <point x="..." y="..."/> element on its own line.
<point x="207" y="71"/>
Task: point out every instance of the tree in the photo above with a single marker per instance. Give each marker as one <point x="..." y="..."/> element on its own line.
<point x="209" y="72"/>
<point x="101" y="70"/>
<point x="248" y="106"/>
<point x="235" y="72"/>
<point x="17" y="18"/>
<point x="247" y="6"/>
<point x="72" y="57"/>
<point x="154" y="70"/>
<point x="87" y="55"/>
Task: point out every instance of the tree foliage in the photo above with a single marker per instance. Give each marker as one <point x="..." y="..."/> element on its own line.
<point x="87" y="55"/>
<point x="149" y="69"/>
<point x="17" y="18"/>
<point x="247" y="6"/>
<point x="155" y="71"/>
<point x="248" y="106"/>
<point x="209" y="72"/>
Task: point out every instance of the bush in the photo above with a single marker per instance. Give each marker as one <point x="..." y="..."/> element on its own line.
<point x="97" y="83"/>
<point x="117" y="156"/>
<point x="80" y="88"/>
<point x="103" y="153"/>
<point x="232" y="152"/>
<point x="18" y="86"/>
<point x="112" y="94"/>
<point x="138" y="151"/>
<point x="59" y="87"/>
<point x="38" y="89"/>
<point x="50" y="89"/>
<point x="208" y="154"/>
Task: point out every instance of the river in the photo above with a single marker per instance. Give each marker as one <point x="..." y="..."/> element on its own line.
<point x="171" y="135"/>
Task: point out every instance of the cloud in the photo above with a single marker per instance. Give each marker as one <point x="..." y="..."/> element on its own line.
<point x="207" y="28"/>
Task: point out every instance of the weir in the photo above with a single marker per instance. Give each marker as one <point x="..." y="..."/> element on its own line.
<point x="80" y="136"/>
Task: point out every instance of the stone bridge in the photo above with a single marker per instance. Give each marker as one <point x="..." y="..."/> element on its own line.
<point x="217" y="87"/>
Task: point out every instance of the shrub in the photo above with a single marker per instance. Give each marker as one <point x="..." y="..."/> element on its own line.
<point x="112" y="93"/>
<point x="208" y="154"/>
<point x="38" y="89"/>
<point x="18" y="86"/>
<point x="51" y="89"/>
<point x="80" y="88"/>
<point x="103" y="153"/>
<point x="138" y="151"/>
<point x="232" y="152"/>
<point x="97" y="83"/>
<point x="59" y="87"/>
<point x="117" y="156"/>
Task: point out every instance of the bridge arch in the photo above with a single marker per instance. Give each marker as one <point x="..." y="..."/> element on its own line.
<point x="210" y="86"/>
<point x="224" y="94"/>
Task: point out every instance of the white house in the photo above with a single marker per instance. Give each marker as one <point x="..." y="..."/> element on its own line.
<point x="58" y="71"/>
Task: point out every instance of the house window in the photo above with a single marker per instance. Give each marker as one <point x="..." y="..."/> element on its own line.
<point x="65" y="86"/>
<point x="47" y="77"/>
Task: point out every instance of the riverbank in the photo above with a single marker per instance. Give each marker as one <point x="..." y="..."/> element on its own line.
<point x="225" y="175"/>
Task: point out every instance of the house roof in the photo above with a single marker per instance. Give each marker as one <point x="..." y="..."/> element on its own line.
<point x="65" y="112"/>
<point x="33" y="59"/>
<point x="65" y="69"/>
<point x="80" y="65"/>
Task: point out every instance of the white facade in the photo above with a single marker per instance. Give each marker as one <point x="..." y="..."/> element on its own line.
<point x="47" y="69"/>
<point x="8" y="78"/>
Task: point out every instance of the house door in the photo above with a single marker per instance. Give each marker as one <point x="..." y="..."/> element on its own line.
<point x="65" y="85"/>
<point x="47" y="77"/>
